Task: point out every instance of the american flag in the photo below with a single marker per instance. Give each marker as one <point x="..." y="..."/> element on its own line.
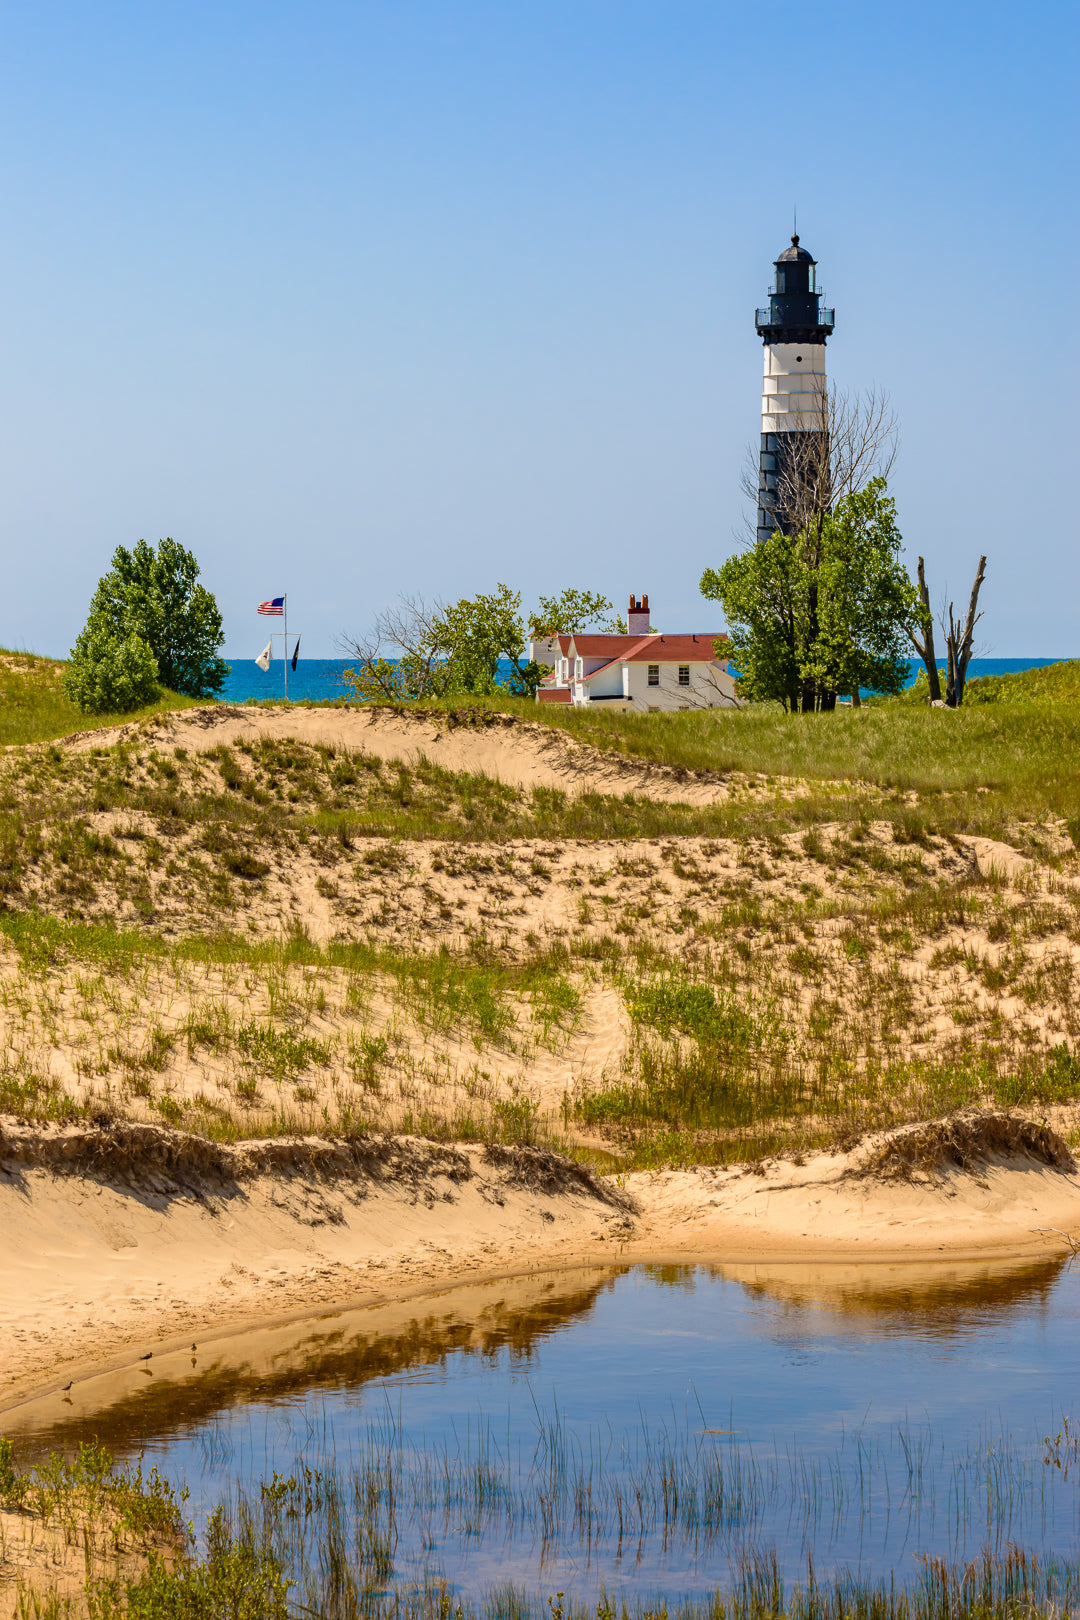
<point x="276" y="606"/>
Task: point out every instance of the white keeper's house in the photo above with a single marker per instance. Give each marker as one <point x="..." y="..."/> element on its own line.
<point x="641" y="671"/>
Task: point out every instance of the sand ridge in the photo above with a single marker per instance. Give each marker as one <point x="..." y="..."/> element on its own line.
<point x="520" y="753"/>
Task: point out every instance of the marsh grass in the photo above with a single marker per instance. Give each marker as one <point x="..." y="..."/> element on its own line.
<point x="390" y="1530"/>
<point x="109" y="1515"/>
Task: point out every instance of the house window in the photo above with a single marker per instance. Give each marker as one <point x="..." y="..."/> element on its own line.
<point x="654" y="674"/>
<point x="579" y="668"/>
<point x="684" y="674"/>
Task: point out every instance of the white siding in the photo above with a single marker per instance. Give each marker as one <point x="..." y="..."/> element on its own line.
<point x="710" y="687"/>
<point x="792" y="387"/>
<point x="609" y="683"/>
<point x="545" y="651"/>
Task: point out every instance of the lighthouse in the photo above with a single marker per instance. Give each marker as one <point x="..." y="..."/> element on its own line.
<point x="794" y="389"/>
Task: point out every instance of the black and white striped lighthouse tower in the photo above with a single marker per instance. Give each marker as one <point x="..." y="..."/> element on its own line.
<point x="794" y="327"/>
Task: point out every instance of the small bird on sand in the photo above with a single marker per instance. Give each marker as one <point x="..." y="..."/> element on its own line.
<point x="67" y="1386"/>
<point x="194" y="1347"/>
<point x="147" y="1356"/>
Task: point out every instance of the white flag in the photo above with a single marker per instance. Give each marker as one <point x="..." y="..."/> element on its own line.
<point x="263" y="659"/>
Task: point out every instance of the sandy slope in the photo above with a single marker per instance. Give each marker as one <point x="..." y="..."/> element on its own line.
<point x="520" y="753"/>
<point x="96" y="1271"/>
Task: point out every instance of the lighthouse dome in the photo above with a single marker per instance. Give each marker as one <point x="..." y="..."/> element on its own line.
<point x="795" y="314"/>
<point x="795" y="254"/>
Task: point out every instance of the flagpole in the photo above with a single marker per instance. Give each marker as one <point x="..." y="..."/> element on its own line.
<point x="285" y="624"/>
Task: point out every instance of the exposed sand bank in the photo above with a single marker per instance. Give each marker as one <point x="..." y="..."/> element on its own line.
<point x="119" y="1246"/>
<point x="521" y="753"/>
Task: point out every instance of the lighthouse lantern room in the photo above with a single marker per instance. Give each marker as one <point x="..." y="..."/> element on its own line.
<point x="794" y="328"/>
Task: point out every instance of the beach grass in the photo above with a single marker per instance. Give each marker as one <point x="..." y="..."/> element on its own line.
<point x="34" y="707"/>
<point x="816" y="953"/>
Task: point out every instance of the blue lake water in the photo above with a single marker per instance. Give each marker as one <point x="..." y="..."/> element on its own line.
<point x="317" y="680"/>
<point x="636" y="1429"/>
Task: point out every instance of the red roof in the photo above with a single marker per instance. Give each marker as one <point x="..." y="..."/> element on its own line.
<point x="697" y="649"/>
<point x="605" y="646"/>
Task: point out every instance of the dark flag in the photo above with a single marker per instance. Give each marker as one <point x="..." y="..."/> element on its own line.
<point x="296" y="653"/>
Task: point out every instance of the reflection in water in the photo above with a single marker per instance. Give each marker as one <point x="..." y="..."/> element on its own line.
<point x="341" y="1350"/>
<point x="620" y="1426"/>
<point x="946" y="1302"/>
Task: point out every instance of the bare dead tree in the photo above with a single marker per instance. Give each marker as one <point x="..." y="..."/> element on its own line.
<point x="925" y="647"/>
<point x="959" y="641"/>
<point x="402" y="655"/>
<point x="958" y="645"/>
<point x="712" y="692"/>
<point x="839" y="443"/>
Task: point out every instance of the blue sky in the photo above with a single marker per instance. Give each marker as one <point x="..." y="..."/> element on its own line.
<point x="361" y="298"/>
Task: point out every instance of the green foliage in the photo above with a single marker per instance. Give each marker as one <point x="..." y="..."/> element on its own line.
<point x="822" y="611"/>
<point x="237" y="1580"/>
<point x="573" y="611"/>
<point x="448" y="651"/>
<point x="14" y="1484"/>
<point x="278" y="1052"/>
<point x="1053" y="683"/>
<point x="109" y="672"/>
<point x="155" y="595"/>
<point x="690" y="1009"/>
<point x="34" y="706"/>
<point x="479" y="631"/>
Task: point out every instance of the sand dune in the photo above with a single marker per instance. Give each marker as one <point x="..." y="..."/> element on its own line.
<point x="518" y="752"/>
<point x="115" y="1249"/>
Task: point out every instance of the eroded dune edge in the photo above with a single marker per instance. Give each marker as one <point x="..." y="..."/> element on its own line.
<point x="123" y="1239"/>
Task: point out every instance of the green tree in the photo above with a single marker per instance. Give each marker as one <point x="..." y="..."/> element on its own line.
<point x="155" y="594"/>
<point x="109" y="673"/>
<point x="481" y="631"/>
<point x="572" y="612"/>
<point x="416" y="652"/>
<point x="824" y="610"/>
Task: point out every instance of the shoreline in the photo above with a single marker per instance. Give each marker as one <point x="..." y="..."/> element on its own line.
<point x="79" y="1300"/>
<point x="449" y="1282"/>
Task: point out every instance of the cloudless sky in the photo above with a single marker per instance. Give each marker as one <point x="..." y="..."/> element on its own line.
<point x="354" y="298"/>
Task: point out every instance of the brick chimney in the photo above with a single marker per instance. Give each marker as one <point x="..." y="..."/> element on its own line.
<point x="637" y="618"/>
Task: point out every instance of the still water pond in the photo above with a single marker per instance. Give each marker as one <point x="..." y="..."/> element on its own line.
<point x="637" y="1428"/>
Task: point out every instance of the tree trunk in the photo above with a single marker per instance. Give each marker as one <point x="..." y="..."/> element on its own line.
<point x="963" y="656"/>
<point x="925" y="648"/>
<point x="959" y="641"/>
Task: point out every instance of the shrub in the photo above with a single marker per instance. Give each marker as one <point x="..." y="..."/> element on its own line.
<point x="156" y="595"/>
<point x="110" y="673"/>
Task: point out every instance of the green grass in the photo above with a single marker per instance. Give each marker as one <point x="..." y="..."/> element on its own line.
<point x="1017" y="738"/>
<point x="34" y="709"/>
<point x="293" y="1011"/>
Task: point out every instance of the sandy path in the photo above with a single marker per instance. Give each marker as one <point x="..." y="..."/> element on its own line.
<point x="520" y="753"/>
<point x="95" y="1273"/>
